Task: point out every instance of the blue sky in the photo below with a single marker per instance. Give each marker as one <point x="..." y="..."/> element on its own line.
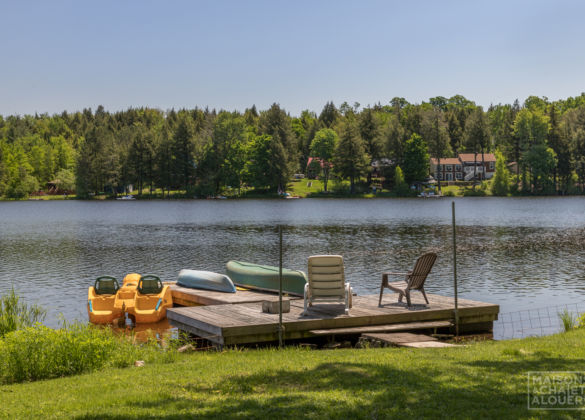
<point x="69" y="55"/>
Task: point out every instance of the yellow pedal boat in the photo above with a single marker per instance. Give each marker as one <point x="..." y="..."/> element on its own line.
<point x="144" y="298"/>
<point x="101" y="301"/>
<point x="151" y="300"/>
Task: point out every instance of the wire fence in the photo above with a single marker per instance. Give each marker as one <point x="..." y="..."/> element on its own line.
<point x="534" y="322"/>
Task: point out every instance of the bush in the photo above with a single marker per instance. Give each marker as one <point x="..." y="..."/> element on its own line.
<point x="474" y="193"/>
<point x="15" y="314"/>
<point x="40" y="352"/>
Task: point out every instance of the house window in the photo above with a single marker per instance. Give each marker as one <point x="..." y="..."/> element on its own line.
<point x="449" y="168"/>
<point x="492" y="164"/>
<point x="458" y="175"/>
<point x="458" y="168"/>
<point x="449" y="176"/>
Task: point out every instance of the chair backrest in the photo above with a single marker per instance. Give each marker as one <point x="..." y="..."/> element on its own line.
<point x="106" y="285"/>
<point x="326" y="275"/>
<point x="422" y="268"/>
<point x="149" y="285"/>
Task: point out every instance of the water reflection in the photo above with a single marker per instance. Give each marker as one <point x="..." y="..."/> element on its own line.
<point x="519" y="253"/>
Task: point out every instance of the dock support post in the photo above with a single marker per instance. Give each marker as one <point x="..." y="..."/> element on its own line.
<point x="455" y="270"/>
<point x="280" y="288"/>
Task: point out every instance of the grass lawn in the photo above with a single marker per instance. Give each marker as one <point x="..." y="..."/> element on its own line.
<point x="484" y="380"/>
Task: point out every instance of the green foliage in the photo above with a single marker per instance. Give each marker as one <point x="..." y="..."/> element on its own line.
<point x="580" y="321"/>
<point x="351" y="160"/>
<point x="541" y="160"/>
<point x="15" y="314"/>
<point x="283" y="149"/>
<point x="224" y="157"/>
<point x="474" y="193"/>
<point x="323" y="147"/>
<point x="267" y="165"/>
<point x="22" y="184"/>
<point x="501" y="182"/>
<point x="416" y="159"/>
<point x="401" y="188"/>
<point x="39" y="352"/>
<point x="65" y="180"/>
<point x="205" y="150"/>
<point x="569" y="320"/>
<point x="329" y="115"/>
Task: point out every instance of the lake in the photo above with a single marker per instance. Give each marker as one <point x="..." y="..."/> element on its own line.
<point x="525" y="254"/>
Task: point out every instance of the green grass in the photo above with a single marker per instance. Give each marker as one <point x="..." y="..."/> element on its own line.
<point x="484" y="380"/>
<point x="299" y="187"/>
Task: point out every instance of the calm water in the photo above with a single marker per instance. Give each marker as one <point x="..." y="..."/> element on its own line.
<point x="522" y="253"/>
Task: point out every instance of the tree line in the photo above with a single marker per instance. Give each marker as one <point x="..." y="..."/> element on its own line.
<point x="204" y="152"/>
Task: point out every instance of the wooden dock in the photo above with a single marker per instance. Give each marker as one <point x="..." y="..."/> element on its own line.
<point x="239" y="320"/>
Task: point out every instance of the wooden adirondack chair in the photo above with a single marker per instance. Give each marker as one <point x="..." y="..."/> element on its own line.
<point x="414" y="280"/>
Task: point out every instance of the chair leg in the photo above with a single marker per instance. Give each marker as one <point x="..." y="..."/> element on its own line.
<point x="305" y="298"/>
<point x="384" y="282"/>
<point x="408" y="298"/>
<point x="400" y="296"/>
<point x="424" y="295"/>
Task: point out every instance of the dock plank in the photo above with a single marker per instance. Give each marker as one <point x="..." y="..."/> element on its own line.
<point x="210" y="297"/>
<point x="399" y="338"/>
<point x="427" y="344"/>
<point x="409" y="326"/>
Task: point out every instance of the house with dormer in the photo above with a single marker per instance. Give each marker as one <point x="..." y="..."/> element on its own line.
<point x="465" y="167"/>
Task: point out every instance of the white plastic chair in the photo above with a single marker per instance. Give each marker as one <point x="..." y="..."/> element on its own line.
<point x="327" y="282"/>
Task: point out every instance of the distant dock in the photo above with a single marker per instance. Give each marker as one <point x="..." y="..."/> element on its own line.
<point x="237" y="318"/>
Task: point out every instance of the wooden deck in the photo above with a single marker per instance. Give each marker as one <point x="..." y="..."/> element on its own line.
<point x="195" y="297"/>
<point x="245" y="323"/>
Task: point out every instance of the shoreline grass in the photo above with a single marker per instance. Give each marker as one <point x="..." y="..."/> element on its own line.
<point x="482" y="380"/>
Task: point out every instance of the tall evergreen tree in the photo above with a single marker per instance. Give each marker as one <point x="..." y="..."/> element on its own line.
<point x="276" y="124"/>
<point x="435" y="134"/>
<point x="416" y="159"/>
<point x="477" y="137"/>
<point x="183" y="152"/>
<point x="351" y="160"/>
<point x="329" y="115"/>
<point x="558" y="142"/>
<point x="369" y="128"/>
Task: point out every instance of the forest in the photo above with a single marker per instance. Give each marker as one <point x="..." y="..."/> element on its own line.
<point x="203" y="152"/>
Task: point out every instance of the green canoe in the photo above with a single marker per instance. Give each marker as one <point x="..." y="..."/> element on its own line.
<point x="264" y="277"/>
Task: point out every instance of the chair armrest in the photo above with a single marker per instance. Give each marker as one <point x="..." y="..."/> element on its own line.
<point x="396" y="274"/>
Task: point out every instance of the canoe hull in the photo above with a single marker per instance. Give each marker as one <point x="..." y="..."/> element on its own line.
<point x="207" y="280"/>
<point x="266" y="277"/>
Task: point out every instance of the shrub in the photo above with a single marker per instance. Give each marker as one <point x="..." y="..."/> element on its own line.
<point x="40" y="352"/>
<point x="474" y="193"/>
<point x="580" y="321"/>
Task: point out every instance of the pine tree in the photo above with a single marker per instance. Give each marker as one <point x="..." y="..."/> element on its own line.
<point x="416" y="159"/>
<point x="351" y="160"/>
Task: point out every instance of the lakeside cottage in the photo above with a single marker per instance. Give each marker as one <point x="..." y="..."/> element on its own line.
<point x="461" y="168"/>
